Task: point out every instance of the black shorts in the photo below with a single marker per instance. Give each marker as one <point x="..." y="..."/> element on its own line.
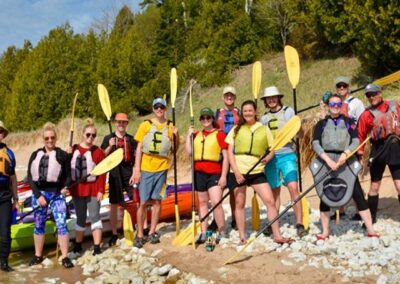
<point x="204" y="181"/>
<point x="378" y="167"/>
<point x="250" y="179"/>
<point x="118" y="183"/>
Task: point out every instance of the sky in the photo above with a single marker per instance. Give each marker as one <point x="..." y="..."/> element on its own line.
<point x="33" y="19"/>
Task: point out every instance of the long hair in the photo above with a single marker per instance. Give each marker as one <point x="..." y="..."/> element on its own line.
<point x="242" y="121"/>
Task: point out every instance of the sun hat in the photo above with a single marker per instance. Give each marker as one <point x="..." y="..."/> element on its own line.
<point x="159" y="101"/>
<point x="4" y="128"/>
<point x="271" y="92"/>
<point x="342" y="79"/>
<point x="206" y="111"/>
<point x="372" y="88"/>
<point x="229" y="89"/>
<point x="121" y="117"/>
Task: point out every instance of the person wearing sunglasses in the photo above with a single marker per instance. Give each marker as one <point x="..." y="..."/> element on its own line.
<point x="155" y="139"/>
<point x="334" y="139"/>
<point x="49" y="175"/>
<point x="88" y="193"/>
<point x="248" y="142"/>
<point x="284" y="162"/>
<point x="352" y="107"/>
<point x="119" y="176"/>
<point x="381" y="121"/>
<point x="8" y="197"/>
<point x="210" y="169"/>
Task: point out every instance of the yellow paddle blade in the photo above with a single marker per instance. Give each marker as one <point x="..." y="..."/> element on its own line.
<point x="194" y="231"/>
<point x="286" y="133"/>
<point x="186" y="237"/>
<point x="305" y="210"/>
<point x="73" y="112"/>
<point x="256" y="81"/>
<point x="174" y="86"/>
<point x="190" y="98"/>
<point x="388" y="79"/>
<point x="104" y="100"/>
<point x="110" y="162"/>
<point x="249" y="241"/>
<point x="292" y="65"/>
<point x="255" y="213"/>
<point x="129" y="232"/>
<point x="177" y="220"/>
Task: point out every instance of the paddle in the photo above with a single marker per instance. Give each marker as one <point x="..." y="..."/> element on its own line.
<point x="71" y="132"/>
<point x="256" y="84"/>
<point x="174" y="84"/>
<point x="292" y="203"/>
<point x="110" y="162"/>
<point x="384" y="81"/>
<point x="284" y="136"/>
<point x="293" y="70"/>
<point x="105" y="103"/>
<point x="129" y="231"/>
<point x="194" y="231"/>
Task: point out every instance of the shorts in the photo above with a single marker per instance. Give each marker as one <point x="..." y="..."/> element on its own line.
<point x="84" y="205"/>
<point x="58" y="207"/>
<point x="151" y="184"/>
<point x="204" y="181"/>
<point x="378" y="167"/>
<point x="281" y="167"/>
<point x="250" y="179"/>
<point x="115" y="187"/>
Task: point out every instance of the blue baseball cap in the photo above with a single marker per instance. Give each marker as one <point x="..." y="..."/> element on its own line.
<point x="372" y="88"/>
<point x="159" y="101"/>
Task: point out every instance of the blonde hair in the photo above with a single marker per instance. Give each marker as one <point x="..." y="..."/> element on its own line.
<point x="48" y="126"/>
<point x="88" y="123"/>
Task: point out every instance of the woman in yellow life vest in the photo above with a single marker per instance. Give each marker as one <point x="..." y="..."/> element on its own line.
<point x="248" y="141"/>
<point x="210" y="168"/>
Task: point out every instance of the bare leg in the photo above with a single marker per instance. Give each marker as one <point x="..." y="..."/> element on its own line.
<point x="215" y="194"/>
<point x="325" y="223"/>
<point x="140" y="215"/>
<point x="63" y="241"/>
<point x="294" y="193"/>
<point x="79" y="236"/>
<point x="39" y="243"/>
<point x="240" y="214"/>
<point x="203" y="208"/>
<point x="155" y="216"/>
<point x="366" y="217"/>
<point x="277" y="197"/>
<point x="97" y="233"/>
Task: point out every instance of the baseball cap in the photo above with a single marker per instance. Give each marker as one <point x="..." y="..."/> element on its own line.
<point x="206" y="111"/>
<point x="342" y="79"/>
<point x="159" y="101"/>
<point x="372" y="88"/>
<point x="229" y="89"/>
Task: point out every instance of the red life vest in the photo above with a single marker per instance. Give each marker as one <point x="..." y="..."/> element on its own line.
<point x="45" y="168"/>
<point x="385" y="123"/>
<point x="227" y="119"/>
<point x="82" y="165"/>
<point x="125" y="144"/>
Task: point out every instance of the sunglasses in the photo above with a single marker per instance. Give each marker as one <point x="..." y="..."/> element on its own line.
<point x="88" y="135"/>
<point x="371" y="94"/>
<point x="48" y="138"/>
<point x="159" y="107"/>
<point x="339" y="86"/>
<point x="205" y="117"/>
<point x="339" y="104"/>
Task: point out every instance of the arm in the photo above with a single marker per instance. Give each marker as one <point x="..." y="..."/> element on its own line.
<point x="135" y="178"/>
<point x="363" y="129"/>
<point x="35" y="189"/>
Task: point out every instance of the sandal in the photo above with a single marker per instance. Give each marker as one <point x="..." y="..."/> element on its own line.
<point x="66" y="262"/>
<point x="242" y="242"/>
<point x="320" y="237"/>
<point x="284" y="241"/>
<point x="36" y="260"/>
<point x="373" y="235"/>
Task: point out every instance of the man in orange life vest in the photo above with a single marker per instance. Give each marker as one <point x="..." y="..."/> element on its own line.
<point x="381" y="121"/>
<point x="226" y="118"/>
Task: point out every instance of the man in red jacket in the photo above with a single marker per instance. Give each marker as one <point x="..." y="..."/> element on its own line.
<point x="381" y="121"/>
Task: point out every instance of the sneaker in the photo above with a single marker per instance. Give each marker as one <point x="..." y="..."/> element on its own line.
<point x="201" y="239"/>
<point x="36" y="260"/>
<point x="66" y="262"/>
<point x="113" y="240"/>
<point x="4" y="266"/>
<point x="96" y="250"/>
<point x="138" y="242"/>
<point x="342" y="215"/>
<point x="301" y="231"/>
<point x="268" y="232"/>
<point x="154" y="238"/>
<point x="77" y="248"/>
<point x="213" y="226"/>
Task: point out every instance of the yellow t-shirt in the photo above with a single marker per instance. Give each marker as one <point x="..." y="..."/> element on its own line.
<point x="246" y="162"/>
<point x="153" y="163"/>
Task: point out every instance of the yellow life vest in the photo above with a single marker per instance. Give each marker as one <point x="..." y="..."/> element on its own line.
<point x="5" y="162"/>
<point x="254" y="143"/>
<point x="206" y="148"/>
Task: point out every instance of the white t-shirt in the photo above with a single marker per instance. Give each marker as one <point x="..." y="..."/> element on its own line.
<point x="356" y="107"/>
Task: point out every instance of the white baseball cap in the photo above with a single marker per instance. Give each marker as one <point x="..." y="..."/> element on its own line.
<point x="229" y="89"/>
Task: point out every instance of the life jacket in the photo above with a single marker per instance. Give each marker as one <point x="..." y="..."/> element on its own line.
<point x="5" y="163"/>
<point x="227" y="119"/>
<point x="206" y="148"/>
<point x="335" y="138"/>
<point x="125" y="144"/>
<point x="276" y="120"/>
<point x="82" y="165"/>
<point x="251" y="143"/>
<point x="157" y="142"/>
<point x="385" y="123"/>
<point x="46" y="168"/>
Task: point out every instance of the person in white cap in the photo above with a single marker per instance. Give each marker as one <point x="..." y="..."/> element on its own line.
<point x="226" y="118"/>
<point x="8" y="198"/>
<point x="284" y="163"/>
<point x="352" y="107"/>
<point x="381" y="121"/>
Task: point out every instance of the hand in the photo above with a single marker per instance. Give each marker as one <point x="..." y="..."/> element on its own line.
<point x="65" y="191"/>
<point x="190" y="131"/>
<point x="135" y="178"/>
<point x="268" y="157"/>
<point x="239" y="178"/>
<point x="342" y="160"/>
<point x="42" y="201"/>
<point x="112" y="142"/>
<point x="175" y="130"/>
<point x="99" y="196"/>
<point x="332" y="165"/>
<point x="69" y="150"/>
<point x="222" y="182"/>
<point x="15" y="204"/>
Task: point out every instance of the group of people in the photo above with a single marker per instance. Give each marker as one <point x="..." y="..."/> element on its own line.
<point x="225" y="151"/>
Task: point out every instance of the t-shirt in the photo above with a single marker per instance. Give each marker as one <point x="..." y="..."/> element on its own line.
<point x="355" y="107"/>
<point x="84" y="189"/>
<point x="246" y="162"/>
<point x="211" y="167"/>
<point x="153" y="163"/>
